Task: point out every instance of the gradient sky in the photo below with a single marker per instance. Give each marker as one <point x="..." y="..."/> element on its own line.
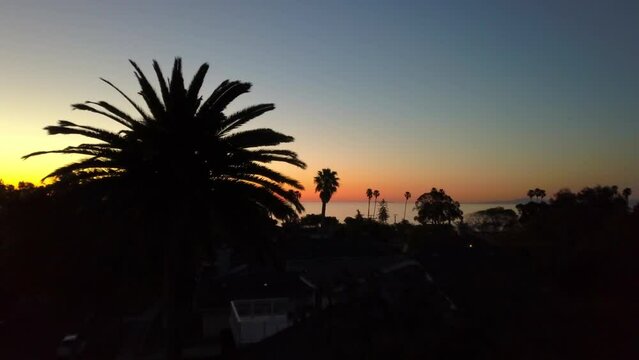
<point x="484" y="99"/>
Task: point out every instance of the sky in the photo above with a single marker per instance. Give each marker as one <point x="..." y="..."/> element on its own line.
<point x="485" y="99"/>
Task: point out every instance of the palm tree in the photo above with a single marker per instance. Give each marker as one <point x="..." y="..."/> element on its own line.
<point x="188" y="149"/>
<point x="531" y="194"/>
<point x="626" y="192"/>
<point x="326" y="183"/>
<point x="376" y="195"/>
<point x="184" y="140"/>
<point x="369" y="195"/>
<point x="407" y="195"/>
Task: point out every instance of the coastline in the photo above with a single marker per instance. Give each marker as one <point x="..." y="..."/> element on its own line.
<point x="344" y="209"/>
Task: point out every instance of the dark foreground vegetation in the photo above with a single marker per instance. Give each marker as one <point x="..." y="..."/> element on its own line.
<point x="559" y="282"/>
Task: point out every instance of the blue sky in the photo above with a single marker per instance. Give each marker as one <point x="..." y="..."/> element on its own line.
<point x="485" y="99"/>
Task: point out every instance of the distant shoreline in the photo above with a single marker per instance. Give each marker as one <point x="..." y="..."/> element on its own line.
<point x="412" y="201"/>
<point x="343" y="209"/>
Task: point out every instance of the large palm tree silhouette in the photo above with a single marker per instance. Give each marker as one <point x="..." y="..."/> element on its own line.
<point x="326" y="183"/>
<point x="188" y="150"/>
<point x="184" y="140"/>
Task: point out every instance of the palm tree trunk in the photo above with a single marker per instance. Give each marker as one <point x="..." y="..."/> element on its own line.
<point x="172" y="347"/>
<point x="368" y="213"/>
<point x="374" y="208"/>
<point x="323" y="209"/>
<point x="173" y="261"/>
<point x="405" y="204"/>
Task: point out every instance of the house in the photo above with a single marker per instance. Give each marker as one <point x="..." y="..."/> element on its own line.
<point x="254" y="305"/>
<point x="382" y="308"/>
<point x="339" y="279"/>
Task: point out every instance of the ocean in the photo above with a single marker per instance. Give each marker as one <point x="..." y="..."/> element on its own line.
<point x="343" y="209"/>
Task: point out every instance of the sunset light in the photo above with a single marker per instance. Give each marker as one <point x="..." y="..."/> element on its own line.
<point x="319" y="179"/>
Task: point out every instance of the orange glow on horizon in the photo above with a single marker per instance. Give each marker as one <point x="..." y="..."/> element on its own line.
<point x="484" y="187"/>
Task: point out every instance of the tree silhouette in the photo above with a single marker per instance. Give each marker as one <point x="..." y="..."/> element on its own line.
<point x="407" y="195"/>
<point x="603" y="198"/>
<point x="564" y="198"/>
<point x="538" y="193"/>
<point x="626" y="192"/>
<point x="376" y="195"/>
<point x="190" y="151"/>
<point x="369" y="195"/>
<point x="6" y="192"/>
<point x="383" y="212"/>
<point x="436" y="207"/>
<point x="492" y="220"/>
<point x="590" y="206"/>
<point x="184" y="141"/>
<point x="326" y="183"/>
<point x="24" y="185"/>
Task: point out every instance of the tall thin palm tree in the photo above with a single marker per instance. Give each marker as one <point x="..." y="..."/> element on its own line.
<point x="326" y="183"/>
<point x="369" y="195"/>
<point x="376" y="195"/>
<point x="626" y="192"/>
<point x="531" y="194"/>
<point x="407" y="195"/>
<point x="187" y="148"/>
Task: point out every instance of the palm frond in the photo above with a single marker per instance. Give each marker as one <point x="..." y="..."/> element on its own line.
<point x="223" y="95"/>
<point x="263" y="171"/>
<point x="241" y="117"/>
<point x="257" y="138"/>
<point x="98" y="153"/>
<point x="163" y="87"/>
<point x="176" y="87"/>
<point x="85" y="164"/>
<point x="268" y="156"/>
<point x="193" y="98"/>
<point x="148" y="93"/>
<point x="86" y="107"/>
<point x="137" y="107"/>
<point x="83" y="175"/>
<point x="280" y="152"/>
<point x="133" y="123"/>
<point x="274" y="188"/>
<point x="67" y="128"/>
